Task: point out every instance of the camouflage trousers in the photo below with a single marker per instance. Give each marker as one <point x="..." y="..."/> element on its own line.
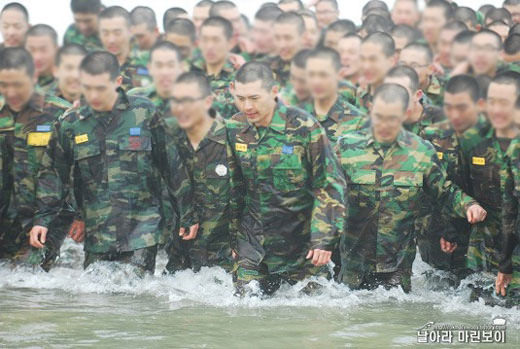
<point x="484" y="245"/>
<point x="371" y="281"/>
<point x="143" y="259"/>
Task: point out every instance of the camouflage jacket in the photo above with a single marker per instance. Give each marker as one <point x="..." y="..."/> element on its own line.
<point x="134" y="71"/>
<point x="342" y="118"/>
<point x="287" y="194"/>
<point x="430" y="115"/>
<point x="114" y="161"/>
<point x="364" y="98"/>
<point x="281" y="70"/>
<point x="349" y="91"/>
<point x="73" y="36"/>
<point x="435" y="91"/>
<point x="4" y="194"/>
<point x="384" y="198"/>
<point x="289" y="98"/>
<point x="162" y="105"/>
<point x="224" y="102"/>
<point x="46" y="82"/>
<point x="26" y="135"/>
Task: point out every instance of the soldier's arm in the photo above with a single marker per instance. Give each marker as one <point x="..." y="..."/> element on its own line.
<point x="328" y="187"/>
<point x="237" y="193"/>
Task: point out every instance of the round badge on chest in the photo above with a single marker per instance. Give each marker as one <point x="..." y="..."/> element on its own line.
<point x="221" y="170"/>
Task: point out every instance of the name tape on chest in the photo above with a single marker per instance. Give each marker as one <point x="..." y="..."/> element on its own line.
<point x="241" y="147"/>
<point x="38" y="139"/>
<point x="478" y="161"/>
<point x="440" y="155"/>
<point x="81" y="139"/>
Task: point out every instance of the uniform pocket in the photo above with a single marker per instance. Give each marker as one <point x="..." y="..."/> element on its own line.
<point x="407" y="184"/>
<point x="135" y="154"/>
<point x="88" y="158"/>
<point x="288" y="172"/>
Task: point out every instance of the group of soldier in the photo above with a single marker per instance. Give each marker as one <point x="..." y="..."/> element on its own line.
<point x="269" y="148"/>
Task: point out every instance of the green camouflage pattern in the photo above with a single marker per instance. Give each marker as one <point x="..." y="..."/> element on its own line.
<point x="430" y="115"/>
<point x="113" y="162"/>
<point x="435" y="91"/>
<point x="46" y="82"/>
<point x="364" y="98"/>
<point x="162" y="105"/>
<point x="349" y="91"/>
<point x="286" y="194"/>
<point x="281" y="70"/>
<point x="386" y="188"/>
<point x="73" y="36"/>
<point x="289" y="98"/>
<point x="134" y="70"/>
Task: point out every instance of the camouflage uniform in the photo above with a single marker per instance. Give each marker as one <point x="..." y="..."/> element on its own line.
<point x="114" y="161"/>
<point x="224" y="102"/>
<point x="289" y="98"/>
<point x="134" y="71"/>
<point x="45" y="83"/>
<point x="90" y="43"/>
<point x="281" y="70"/>
<point x="364" y="98"/>
<point x="430" y="115"/>
<point x="162" y="105"/>
<point x="208" y="168"/>
<point x="386" y="187"/>
<point x="435" y="91"/>
<point x="25" y="136"/>
<point x="342" y="118"/>
<point x="286" y="196"/>
<point x="349" y="91"/>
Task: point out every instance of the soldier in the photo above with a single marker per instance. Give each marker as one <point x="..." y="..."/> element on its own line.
<point x="181" y="33"/>
<point x="335" y="31"/>
<point x="144" y="27"/>
<point x="114" y="30"/>
<point x="349" y="49"/>
<point x="311" y="36"/>
<point x="14" y="24"/>
<point x="418" y="115"/>
<point x="377" y="58"/>
<point x="174" y="13"/>
<point x="389" y="172"/>
<point x="229" y="11"/>
<point x="165" y="66"/>
<point x="201" y="13"/>
<point x="286" y="192"/>
<point x="512" y="50"/>
<point x="215" y="45"/>
<point x="461" y="107"/>
<point x="332" y="109"/>
<point x="112" y="152"/>
<point x="403" y="36"/>
<point x="296" y="93"/>
<point x="446" y="37"/>
<point x="288" y="30"/>
<point x="67" y="85"/>
<point x="263" y="32"/>
<point x="406" y="12"/>
<point x="26" y="117"/>
<point x="290" y="5"/>
<point x="435" y="16"/>
<point x="513" y="6"/>
<point x="327" y="12"/>
<point x="201" y="139"/>
<point x="460" y="47"/>
<point x="42" y="43"/>
<point x="84" y="30"/>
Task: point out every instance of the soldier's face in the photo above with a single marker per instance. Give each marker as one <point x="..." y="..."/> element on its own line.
<point x="13" y="28"/>
<point x="291" y="6"/>
<point x="298" y="82"/>
<point x="43" y="51"/>
<point x="183" y="42"/>
<point x="255" y="101"/>
<point x="350" y="51"/>
<point x="312" y="33"/>
<point x="374" y="63"/>
<point x="459" y="53"/>
<point x="233" y="15"/>
<point x="500" y="105"/>
<point x="86" y="23"/>
<point x="387" y="120"/>
<point x="17" y="87"/>
<point x="144" y="36"/>
<point x="444" y="47"/>
<point x="164" y="68"/>
<point x="460" y="110"/>
<point x="501" y="29"/>
<point x="514" y="10"/>
<point x="418" y="61"/>
<point x="326" y="13"/>
<point x="332" y="38"/>
<point x="405" y="12"/>
<point x="287" y="39"/>
<point x="189" y="105"/>
<point x="214" y="45"/>
<point x="433" y="20"/>
<point x="262" y="36"/>
<point x="412" y="95"/>
<point x="67" y="73"/>
<point x="115" y="35"/>
<point x="484" y="53"/>
<point x="199" y="15"/>
<point x="400" y="43"/>
<point x="321" y="78"/>
<point x="99" y="90"/>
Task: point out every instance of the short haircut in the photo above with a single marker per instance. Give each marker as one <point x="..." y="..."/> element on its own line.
<point x="374" y="4"/>
<point x="268" y="13"/>
<point x="405" y="71"/>
<point x="300" y="59"/>
<point x="463" y="37"/>
<point x="299" y="2"/>
<point x="483" y="81"/>
<point x="182" y="26"/>
<point x="256" y="71"/>
<point x="195" y="78"/>
<point x="86" y="6"/>
<point x="115" y="12"/>
<point x="16" y="58"/>
<point x="508" y="78"/>
<point x="326" y="53"/>
<point x="424" y="48"/>
<point x="43" y="30"/>
<point x="510" y="3"/>
<point x="167" y="46"/>
<point x="334" y="3"/>
<point x="375" y="23"/>
<point x="463" y="84"/>
<point x="100" y="62"/>
<point x="16" y="6"/>
<point x="497" y="37"/>
<point x="393" y="92"/>
<point x="70" y="50"/>
<point x="405" y="31"/>
<point x="515" y="29"/>
<point x="144" y="14"/>
<point x="291" y="18"/>
<point x="246" y="21"/>
<point x="499" y="14"/>
<point x="379" y="12"/>
<point x="171" y="14"/>
<point x="442" y="4"/>
<point x="466" y="14"/>
<point x="456" y="26"/>
<point x="484" y="9"/>
<point x="384" y="40"/>
<point x="220" y="6"/>
<point x="204" y="3"/>
<point x="219" y="22"/>
<point x="308" y="14"/>
<point x="512" y="44"/>
<point x="344" y="26"/>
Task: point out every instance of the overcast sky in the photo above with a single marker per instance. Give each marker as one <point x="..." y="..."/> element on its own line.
<point x="57" y="12"/>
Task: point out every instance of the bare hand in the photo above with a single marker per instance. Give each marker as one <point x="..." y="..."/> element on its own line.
<point x="192" y="233"/>
<point x="501" y="282"/>
<point x="236" y="60"/>
<point x="77" y="231"/>
<point x="37" y="236"/>
<point x="448" y="247"/>
<point x="319" y="257"/>
<point x="475" y="214"/>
